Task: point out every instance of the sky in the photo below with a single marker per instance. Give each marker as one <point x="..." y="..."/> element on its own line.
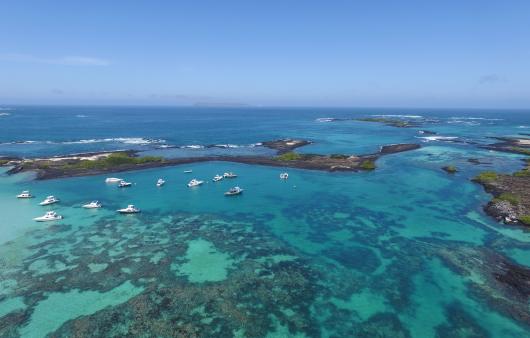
<point x="266" y="53"/>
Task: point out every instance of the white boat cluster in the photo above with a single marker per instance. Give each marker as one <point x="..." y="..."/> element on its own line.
<point x="131" y="209"/>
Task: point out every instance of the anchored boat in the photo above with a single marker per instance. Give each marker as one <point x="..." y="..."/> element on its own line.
<point x="25" y="194"/>
<point x="234" y="191"/>
<point x="124" y="184"/>
<point x="131" y="209"/>
<point x="48" y="216"/>
<point x="92" y="205"/>
<point x="194" y="183"/>
<point x="49" y="200"/>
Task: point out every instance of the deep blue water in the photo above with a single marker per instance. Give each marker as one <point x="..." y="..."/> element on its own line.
<point x="401" y="251"/>
<point x="37" y="131"/>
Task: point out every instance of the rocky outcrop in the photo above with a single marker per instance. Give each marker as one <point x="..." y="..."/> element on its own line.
<point x="511" y="202"/>
<point x="97" y="164"/>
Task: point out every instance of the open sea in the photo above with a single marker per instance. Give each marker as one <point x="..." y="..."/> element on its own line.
<point x="402" y="251"/>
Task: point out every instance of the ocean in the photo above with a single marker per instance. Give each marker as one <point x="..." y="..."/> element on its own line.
<point x="402" y="251"/>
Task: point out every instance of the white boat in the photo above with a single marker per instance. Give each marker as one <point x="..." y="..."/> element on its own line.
<point x="49" y="200"/>
<point x="217" y="178"/>
<point x="131" y="209"/>
<point x="284" y="176"/>
<point x="160" y="182"/>
<point x="112" y="180"/>
<point x="124" y="184"/>
<point x="48" y="216"/>
<point x="188" y="171"/>
<point x="92" y="205"/>
<point x="194" y="183"/>
<point x="229" y="175"/>
<point x="25" y="194"/>
<point x="234" y="191"/>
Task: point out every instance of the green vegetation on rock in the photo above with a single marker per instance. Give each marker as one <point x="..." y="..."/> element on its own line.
<point x="508" y="197"/>
<point x="290" y="156"/>
<point x="522" y="173"/>
<point x="338" y="156"/>
<point x="3" y="162"/>
<point x="111" y="161"/>
<point x="525" y="219"/>
<point x="450" y="169"/>
<point x="520" y="150"/>
<point x="486" y="176"/>
<point x="367" y="165"/>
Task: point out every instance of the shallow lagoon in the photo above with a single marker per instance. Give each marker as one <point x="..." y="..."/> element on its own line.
<point x="394" y="252"/>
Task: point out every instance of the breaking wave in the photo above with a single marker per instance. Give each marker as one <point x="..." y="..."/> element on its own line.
<point x="437" y="138"/>
<point x="123" y="140"/>
<point x="399" y="116"/>
<point x="325" y="119"/>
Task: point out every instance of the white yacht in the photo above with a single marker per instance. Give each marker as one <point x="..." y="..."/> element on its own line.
<point x="284" y="176"/>
<point x="92" y="205"/>
<point x="234" y="191"/>
<point x="131" y="209"/>
<point x="194" y="183"/>
<point x="160" y="182"/>
<point x="217" y="178"/>
<point x="188" y="171"/>
<point x="49" y="200"/>
<point x="25" y="194"/>
<point x="124" y="184"/>
<point x="113" y="180"/>
<point x="48" y="216"/>
<point x="229" y="175"/>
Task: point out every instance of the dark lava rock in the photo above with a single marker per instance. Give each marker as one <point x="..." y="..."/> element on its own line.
<point x="286" y="145"/>
<point x="397" y="148"/>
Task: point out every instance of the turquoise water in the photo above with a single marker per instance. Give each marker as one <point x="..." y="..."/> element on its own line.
<point x="403" y="251"/>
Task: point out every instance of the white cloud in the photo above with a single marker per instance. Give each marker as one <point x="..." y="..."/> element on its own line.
<point x="64" y="60"/>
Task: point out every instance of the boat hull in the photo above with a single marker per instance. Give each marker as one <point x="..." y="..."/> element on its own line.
<point x="41" y="219"/>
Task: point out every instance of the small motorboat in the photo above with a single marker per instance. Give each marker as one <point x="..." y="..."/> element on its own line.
<point x="188" y="171"/>
<point x="92" y="205"/>
<point x="49" y="200"/>
<point x="113" y="180"/>
<point x="48" y="216"/>
<point x="284" y="176"/>
<point x="160" y="182"/>
<point x="194" y="183"/>
<point x="131" y="209"/>
<point x="234" y="191"/>
<point x="217" y="178"/>
<point x="25" y="194"/>
<point x="124" y="184"/>
<point x="229" y="175"/>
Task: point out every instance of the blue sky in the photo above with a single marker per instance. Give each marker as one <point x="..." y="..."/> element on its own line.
<point x="280" y="53"/>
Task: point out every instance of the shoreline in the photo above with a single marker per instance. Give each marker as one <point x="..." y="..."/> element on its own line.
<point x="511" y="195"/>
<point x="513" y="145"/>
<point x="91" y="164"/>
<point x="511" y="192"/>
